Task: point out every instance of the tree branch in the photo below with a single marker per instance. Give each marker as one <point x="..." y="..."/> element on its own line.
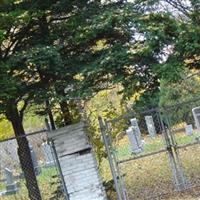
<point x="179" y="6"/>
<point x="26" y="101"/>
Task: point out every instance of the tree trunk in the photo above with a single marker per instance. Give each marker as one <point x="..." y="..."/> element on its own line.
<point x="65" y="112"/>
<point x="64" y="107"/>
<point x="24" y="154"/>
<point x="50" y="114"/>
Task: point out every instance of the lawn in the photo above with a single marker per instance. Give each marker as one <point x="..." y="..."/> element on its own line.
<point x="123" y="148"/>
<point x="150" y="177"/>
<point x="145" y="177"/>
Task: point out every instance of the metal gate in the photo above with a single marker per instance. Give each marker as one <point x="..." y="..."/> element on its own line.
<point x="165" y="158"/>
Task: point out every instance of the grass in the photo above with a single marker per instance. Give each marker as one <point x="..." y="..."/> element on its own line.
<point x="146" y="177"/>
<point x="123" y="148"/>
<point x="181" y="138"/>
<point x="151" y="176"/>
<point x="46" y="178"/>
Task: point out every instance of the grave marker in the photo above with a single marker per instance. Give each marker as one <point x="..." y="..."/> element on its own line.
<point x="134" y="124"/>
<point x="49" y="157"/>
<point x="196" y="115"/>
<point x="11" y="186"/>
<point x="34" y="160"/>
<point x="8" y="176"/>
<point x="150" y="126"/>
<point x="133" y="138"/>
<point x="189" y="129"/>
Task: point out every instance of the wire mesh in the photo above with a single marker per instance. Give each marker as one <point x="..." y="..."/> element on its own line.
<point x="140" y="169"/>
<point x="186" y="136"/>
<point x="157" y="151"/>
<point x="149" y="143"/>
<point x="12" y="178"/>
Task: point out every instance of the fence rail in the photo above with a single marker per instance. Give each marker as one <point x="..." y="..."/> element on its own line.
<point x="154" y="152"/>
<point x="12" y="180"/>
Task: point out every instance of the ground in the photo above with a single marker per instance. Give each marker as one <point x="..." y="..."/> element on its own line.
<point x="47" y="181"/>
<point x="151" y="177"/>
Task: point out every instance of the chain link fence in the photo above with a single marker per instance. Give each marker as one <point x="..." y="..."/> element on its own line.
<point x="155" y="153"/>
<point x="12" y="177"/>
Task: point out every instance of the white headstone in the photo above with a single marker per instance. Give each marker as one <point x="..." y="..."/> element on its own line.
<point x="11" y="186"/>
<point x="34" y="160"/>
<point x="150" y="126"/>
<point x="8" y="176"/>
<point x="189" y="129"/>
<point x="134" y="124"/>
<point x="135" y="142"/>
<point x="196" y="115"/>
<point x="49" y="158"/>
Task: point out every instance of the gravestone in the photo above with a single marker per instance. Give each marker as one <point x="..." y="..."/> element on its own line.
<point x="134" y="140"/>
<point x="150" y="126"/>
<point x="8" y="154"/>
<point x="49" y="157"/>
<point x="11" y="186"/>
<point x="134" y="125"/>
<point x="34" y="160"/>
<point x="196" y="115"/>
<point x="189" y="129"/>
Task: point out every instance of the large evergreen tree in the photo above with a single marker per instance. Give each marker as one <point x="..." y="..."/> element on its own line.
<point x="44" y="45"/>
<point x="163" y="42"/>
<point x="89" y="45"/>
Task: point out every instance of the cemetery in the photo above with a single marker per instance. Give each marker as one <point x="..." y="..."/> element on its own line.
<point x="141" y="153"/>
<point x="100" y="100"/>
<point x="12" y="183"/>
<point x="147" y="167"/>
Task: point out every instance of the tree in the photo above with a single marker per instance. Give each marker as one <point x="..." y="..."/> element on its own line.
<point x="175" y="31"/>
<point x="21" y="84"/>
<point x="162" y="43"/>
<point x="177" y="93"/>
<point x="107" y="104"/>
<point x="44" y="46"/>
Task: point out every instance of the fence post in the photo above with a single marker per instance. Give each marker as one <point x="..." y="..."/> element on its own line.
<point x="177" y="171"/>
<point x="182" y="184"/>
<point x="113" y="152"/>
<point x="110" y="159"/>
<point x="51" y="142"/>
<point x="66" y="195"/>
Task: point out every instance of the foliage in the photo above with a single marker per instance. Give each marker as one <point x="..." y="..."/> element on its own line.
<point x="6" y="130"/>
<point x="46" y="45"/>
<point x="177" y="36"/>
<point x="147" y="101"/>
<point x="74" y="112"/>
<point x="31" y="123"/>
<point x="162" y="42"/>
<point x="185" y="90"/>
<point x="174" y="93"/>
<point x="112" y="42"/>
<point x="106" y="104"/>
